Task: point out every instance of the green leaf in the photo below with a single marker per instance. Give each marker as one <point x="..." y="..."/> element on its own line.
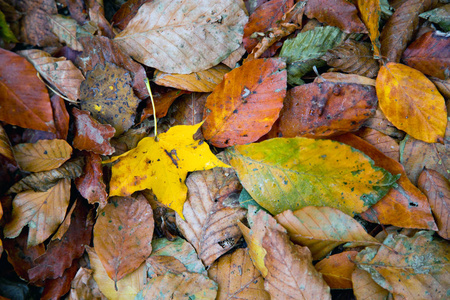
<point x="304" y="51"/>
<point x="5" y="32"/>
<point x="291" y="173"/>
<point x="245" y="199"/>
<point x="440" y="16"/>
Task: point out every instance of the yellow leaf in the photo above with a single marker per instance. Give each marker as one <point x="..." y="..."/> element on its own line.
<point x="163" y="166"/>
<point x="370" y="15"/>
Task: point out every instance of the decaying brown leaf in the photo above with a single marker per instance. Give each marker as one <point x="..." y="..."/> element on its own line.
<point x="65" y="28"/>
<point x="344" y="78"/>
<point x="382" y="142"/>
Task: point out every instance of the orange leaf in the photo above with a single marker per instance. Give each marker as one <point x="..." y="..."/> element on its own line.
<point x="364" y="287"/>
<point x="370" y="15"/>
<point x="123" y="235"/>
<point x="246" y="104"/>
<point x="163" y="100"/>
<point x="337" y="269"/>
<point x="411" y="102"/>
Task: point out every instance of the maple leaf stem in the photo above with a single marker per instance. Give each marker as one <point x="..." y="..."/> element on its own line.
<point x="147" y="84"/>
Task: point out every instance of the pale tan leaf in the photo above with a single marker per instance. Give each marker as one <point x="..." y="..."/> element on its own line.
<point x="65" y="224"/>
<point x="345" y="78"/>
<point x="234" y="57"/>
<point x="291" y="274"/>
<point x="237" y="277"/>
<point x="159" y="265"/>
<point x="322" y="229"/>
<point x="184" y="36"/>
<point x="202" y="81"/>
<point x="365" y="288"/>
<point x="41" y="211"/>
<point x="5" y="145"/>
<point x="210" y="223"/>
<point x="59" y="71"/>
<point x="44" y="155"/>
<point x="83" y="286"/>
<point x="65" y="28"/>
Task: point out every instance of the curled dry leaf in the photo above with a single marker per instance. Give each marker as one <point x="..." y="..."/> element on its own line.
<point x="211" y="212"/>
<point x="370" y="14"/>
<point x="41" y="211"/>
<point x="387" y="145"/>
<point x="344" y="78"/>
<point x="291" y="173"/>
<point x="430" y="54"/>
<point x="364" y="287"/>
<point x="42" y="181"/>
<point x="60" y="72"/>
<point x="337" y="269"/>
<point x="414" y="268"/>
<point x="353" y="57"/>
<point x="123" y="235"/>
<point x="22" y="93"/>
<point x="437" y="188"/>
<point x="177" y="44"/>
<point x="65" y="28"/>
<point x="322" y="229"/>
<point x="299" y="279"/>
<point x="237" y="277"/>
<point x="90" y="135"/>
<point x="246" y="104"/>
<point x="202" y="81"/>
<point x="44" y="155"/>
<point x="83" y="286"/>
<point x="411" y="102"/>
<point x="325" y="109"/>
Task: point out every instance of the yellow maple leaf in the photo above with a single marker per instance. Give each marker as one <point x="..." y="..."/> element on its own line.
<point x="163" y="166"/>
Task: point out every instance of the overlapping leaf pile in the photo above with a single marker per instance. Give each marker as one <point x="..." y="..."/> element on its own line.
<point x="288" y="132"/>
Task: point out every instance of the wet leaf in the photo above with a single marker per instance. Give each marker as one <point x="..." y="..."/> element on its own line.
<point x="107" y="95"/>
<point x="237" y="277"/>
<point x="162" y="166"/>
<point x="337" y="269"/>
<point x="203" y="81"/>
<point x="210" y="223"/>
<point x="178" y="44"/>
<point x="322" y="229"/>
<point x="414" y="268"/>
<point x="325" y="109"/>
<point x="44" y="155"/>
<point x="90" y="135"/>
<point x="41" y="211"/>
<point x="246" y="104"/>
<point x="411" y="102"/>
<point x="22" y="93"/>
<point x="123" y="235"/>
<point x="437" y="188"/>
<point x="430" y="54"/>
<point x="387" y="145"/>
<point x="60" y="72"/>
<point x="65" y="28"/>
<point x="290" y="173"/>
<point x="364" y="287"/>
<point x="370" y="14"/>
<point x="440" y="16"/>
<point x="299" y="280"/>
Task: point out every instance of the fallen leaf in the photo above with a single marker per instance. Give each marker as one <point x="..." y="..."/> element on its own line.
<point x="443" y="87"/>
<point x="437" y="188"/>
<point x="337" y="269"/>
<point x="61" y="117"/>
<point x="364" y="287"/>
<point x="6" y="34"/>
<point x="353" y="57"/>
<point x="338" y="13"/>
<point x="387" y="145"/>
<point x="232" y="60"/>
<point x="97" y="17"/>
<point x="237" y="277"/>
<point x="370" y="14"/>
<point x="160" y="265"/>
<point x="246" y="104"/>
<point x="90" y="135"/>
<point x="107" y="95"/>
<point x="44" y="155"/>
<point x="290" y="173"/>
<point x="163" y="101"/>
<point x="411" y="102"/>
<point x="203" y="81"/>
<point x="414" y="268"/>
<point x="439" y="16"/>
<point x="126" y="12"/>
<point x="299" y="280"/>
<point x="380" y="123"/>
<point x="188" y="109"/>
<point x="5" y="145"/>
<point x="324" y="109"/>
<point x="58" y="287"/>
<point x="344" y="78"/>
<point x="90" y="184"/>
<point x="210" y="223"/>
<point x="166" y="164"/>
<point x="65" y="28"/>
<point x="177" y="44"/>
<point x="62" y="229"/>
<point x="123" y="235"/>
<point x="23" y="94"/>
<point x="60" y="72"/>
<point x="304" y="51"/>
<point x="322" y="229"/>
<point x="83" y="286"/>
<point x="41" y="211"/>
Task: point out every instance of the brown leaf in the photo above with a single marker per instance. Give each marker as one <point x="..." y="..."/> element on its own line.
<point x="380" y="123"/>
<point x="126" y="12"/>
<point x="23" y="94"/>
<point x="437" y="189"/>
<point x="5" y="145"/>
<point x="90" y="135"/>
<point x="163" y="99"/>
<point x="337" y="269"/>
<point x="44" y="155"/>
<point x="65" y="224"/>
<point x="344" y="78"/>
<point x="97" y="17"/>
<point x="77" y="10"/>
<point x="90" y="184"/>
<point x="387" y="145"/>
<point x="107" y="95"/>
<point x="83" y="286"/>
<point x="364" y="287"/>
<point x="337" y="13"/>
<point x="58" y="287"/>
<point x="237" y="277"/>
<point x="443" y="87"/>
<point x="211" y="212"/>
<point x="61" y="117"/>
<point x="188" y="109"/>
<point x="321" y="110"/>
<point x="353" y="57"/>
<point x="160" y="265"/>
<point x="291" y="273"/>
<point x="123" y="234"/>
<point x="65" y="28"/>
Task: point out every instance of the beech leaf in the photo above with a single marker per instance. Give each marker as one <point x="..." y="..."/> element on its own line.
<point x="364" y="287"/>
<point x="337" y="269"/>
<point x="65" y="28"/>
<point x="370" y="14"/>
<point x="439" y="16"/>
